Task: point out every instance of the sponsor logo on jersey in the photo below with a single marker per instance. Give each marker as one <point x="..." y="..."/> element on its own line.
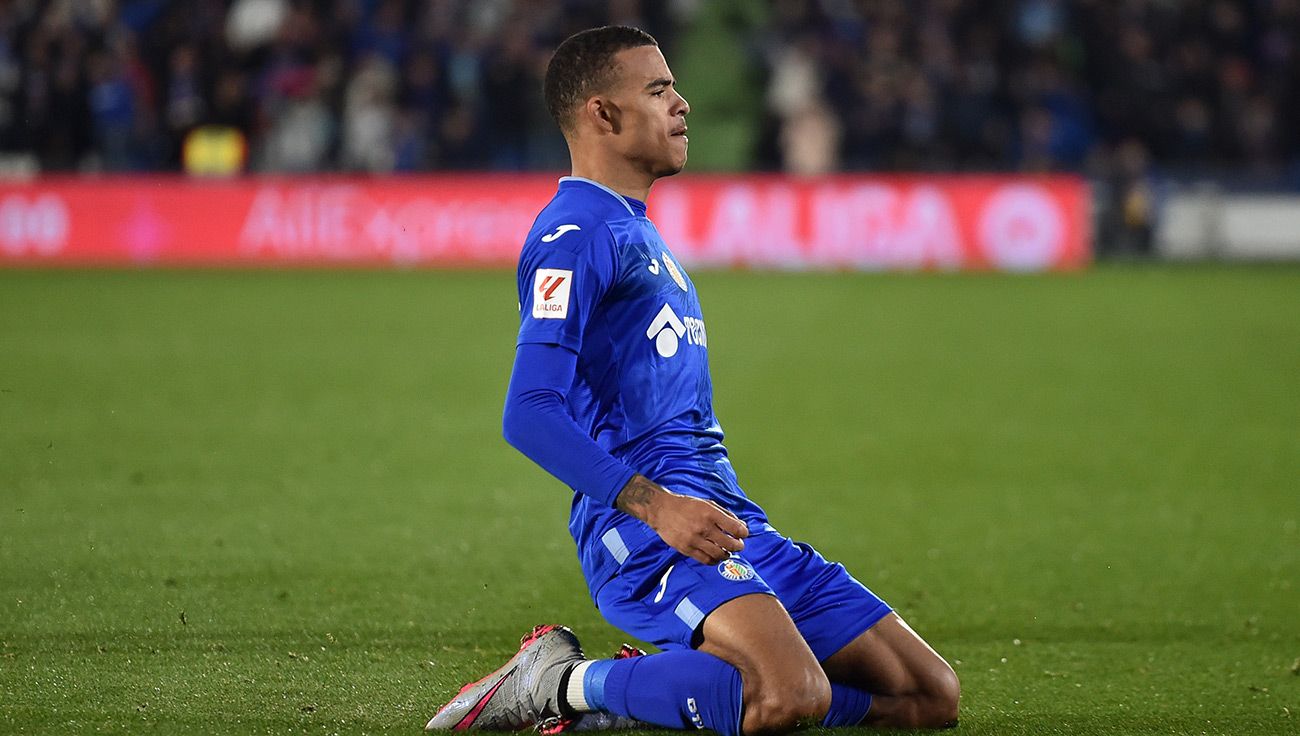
<point x="674" y="271"/>
<point x="551" y="293"/>
<point x="735" y="569"/>
<point x="667" y="330"/>
<point x="552" y="237"/>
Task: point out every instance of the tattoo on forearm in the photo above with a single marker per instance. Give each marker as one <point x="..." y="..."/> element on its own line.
<point x="635" y="495"/>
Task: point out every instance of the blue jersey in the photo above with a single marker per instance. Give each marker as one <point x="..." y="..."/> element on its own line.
<point x="596" y="278"/>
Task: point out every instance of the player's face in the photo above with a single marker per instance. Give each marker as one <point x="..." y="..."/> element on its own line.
<point x="652" y="115"/>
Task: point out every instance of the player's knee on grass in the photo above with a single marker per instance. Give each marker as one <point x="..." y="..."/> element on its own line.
<point x="938" y="694"/>
<point x="776" y="706"/>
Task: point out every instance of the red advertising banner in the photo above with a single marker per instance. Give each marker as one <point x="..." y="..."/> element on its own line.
<point x="756" y="221"/>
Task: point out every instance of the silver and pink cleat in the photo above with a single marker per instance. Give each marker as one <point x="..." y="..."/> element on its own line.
<point x="520" y="694"/>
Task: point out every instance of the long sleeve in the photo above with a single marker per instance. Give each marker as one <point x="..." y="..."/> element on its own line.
<point x="536" y="422"/>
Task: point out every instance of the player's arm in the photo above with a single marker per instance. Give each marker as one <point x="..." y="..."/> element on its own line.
<point x="537" y="422"/>
<point x="561" y="284"/>
<point x="695" y="527"/>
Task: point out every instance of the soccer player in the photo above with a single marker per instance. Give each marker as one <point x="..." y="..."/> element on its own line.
<point x="611" y="394"/>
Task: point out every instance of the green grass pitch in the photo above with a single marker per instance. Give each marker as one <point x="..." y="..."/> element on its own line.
<point x="278" y="502"/>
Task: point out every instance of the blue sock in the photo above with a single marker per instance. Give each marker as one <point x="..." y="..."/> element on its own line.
<point x="682" y="689"/>
<point x="849" y="706"/>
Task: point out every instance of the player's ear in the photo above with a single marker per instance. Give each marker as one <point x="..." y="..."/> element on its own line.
<point x="603" y="113"/>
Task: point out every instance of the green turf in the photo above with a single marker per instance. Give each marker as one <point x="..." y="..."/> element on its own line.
<point x="278" y="502"/>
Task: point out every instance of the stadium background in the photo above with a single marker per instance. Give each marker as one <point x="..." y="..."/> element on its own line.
<point x="248" y="499"/>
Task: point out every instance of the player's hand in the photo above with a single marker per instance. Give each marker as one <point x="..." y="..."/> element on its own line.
<point x="699" y="529"/>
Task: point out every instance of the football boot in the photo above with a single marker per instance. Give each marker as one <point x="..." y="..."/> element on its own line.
<point x="521" y="693"/>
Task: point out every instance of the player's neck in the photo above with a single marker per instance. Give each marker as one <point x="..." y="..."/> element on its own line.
<point x="618" y="176"/>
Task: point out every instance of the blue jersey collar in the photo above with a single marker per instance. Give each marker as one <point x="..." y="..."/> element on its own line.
<point x="635" y="207"/>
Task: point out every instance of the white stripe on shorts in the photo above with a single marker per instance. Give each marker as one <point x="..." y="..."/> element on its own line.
<point x="614" y="543"/>
<point x="689" y="613"/>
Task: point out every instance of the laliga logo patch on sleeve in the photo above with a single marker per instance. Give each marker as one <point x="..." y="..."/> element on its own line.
<point x="551" y="293"/>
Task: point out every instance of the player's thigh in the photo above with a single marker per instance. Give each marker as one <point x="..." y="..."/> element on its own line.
<point x="755" y="634"/>
<point x="663" y="597"/>
<point x="892" y="659"/>
<point x="728" y="611"/>
<point x="783" y="682"/>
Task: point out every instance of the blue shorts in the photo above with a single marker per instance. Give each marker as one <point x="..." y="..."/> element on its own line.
<point x="661" y="596"/>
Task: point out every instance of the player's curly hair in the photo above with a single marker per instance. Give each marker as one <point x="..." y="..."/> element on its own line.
<point x="584" y="65"/>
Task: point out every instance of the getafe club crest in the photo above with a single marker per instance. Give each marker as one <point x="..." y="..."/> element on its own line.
<point x="735" y="569"/>
<point x="673" y="271"/>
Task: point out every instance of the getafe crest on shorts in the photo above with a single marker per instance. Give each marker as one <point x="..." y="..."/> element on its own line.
<point x="735" y="569"/>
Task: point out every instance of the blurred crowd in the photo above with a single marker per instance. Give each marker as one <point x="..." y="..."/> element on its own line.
<point x="1043" y="84"/>
<point x="1106" y="87"/>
